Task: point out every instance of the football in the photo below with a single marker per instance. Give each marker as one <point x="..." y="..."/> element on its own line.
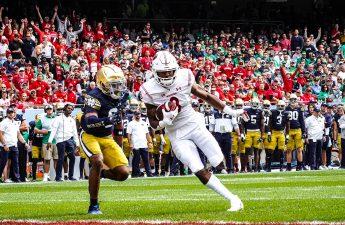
<point x="170" y="105"/>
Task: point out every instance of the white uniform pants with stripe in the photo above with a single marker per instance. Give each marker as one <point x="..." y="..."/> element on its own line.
<point x="185" y="142"/>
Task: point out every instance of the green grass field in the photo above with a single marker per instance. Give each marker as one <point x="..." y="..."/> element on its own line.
<point x="274" y="197"/>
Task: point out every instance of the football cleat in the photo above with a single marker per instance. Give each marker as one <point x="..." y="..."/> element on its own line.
<point x="94" y="210"/>
<point x="236" y="205"/>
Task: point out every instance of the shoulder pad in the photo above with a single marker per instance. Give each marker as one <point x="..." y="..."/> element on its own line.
<point x="92" y="102"/>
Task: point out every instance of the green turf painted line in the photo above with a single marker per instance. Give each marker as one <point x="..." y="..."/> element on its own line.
<point x="276" y="197"/>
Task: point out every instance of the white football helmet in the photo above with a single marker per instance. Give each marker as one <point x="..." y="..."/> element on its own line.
<point x="293" y="100"/>
<point x="255" y="103"/>
<point x="281" y="105"/>
<point x="133" y="104"/>
<point x="164" y="61"/>
<point x="239" y="103"/>
<point x="266" y="104"/>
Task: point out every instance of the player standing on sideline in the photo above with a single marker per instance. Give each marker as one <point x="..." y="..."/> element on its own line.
<point x="237" y="147"/>
<point x="101" y="111"/>
<point x="266" y="113"/>
<point x="326" y="145"/>
<point x="279" y="127"/>
<point x="254" y="125"/>
<point x="184" y="128"/>
<point x="296" y="133"/>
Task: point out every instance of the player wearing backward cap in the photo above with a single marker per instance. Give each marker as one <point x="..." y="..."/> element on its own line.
<point x="182" y="125"/>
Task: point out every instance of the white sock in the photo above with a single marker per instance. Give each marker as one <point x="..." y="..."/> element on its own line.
<point x="215" y="184"/>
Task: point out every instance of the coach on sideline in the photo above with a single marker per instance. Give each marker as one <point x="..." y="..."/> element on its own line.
<point x="315" y="125"/>
<point x="139" y="138"/>
<point x="64" y="131"/>
<point x="9" y="136"/>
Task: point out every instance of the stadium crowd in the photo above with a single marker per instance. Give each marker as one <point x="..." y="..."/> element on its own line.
<point x="51" y="61"/>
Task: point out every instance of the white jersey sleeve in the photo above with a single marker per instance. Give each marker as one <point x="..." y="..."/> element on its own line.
<point x="153" y="93"/>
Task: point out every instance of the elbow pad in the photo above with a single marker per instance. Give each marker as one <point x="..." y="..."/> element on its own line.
<point x="95" y="122"/>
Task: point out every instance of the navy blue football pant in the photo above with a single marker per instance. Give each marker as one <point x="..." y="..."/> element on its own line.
<point x="176" y="165"/>
<point x="328" y="150"/>
<point x="12" y="154"/>
<point x="144" y="154"/>
<point x="224" y="141"/>
<point x="314" y="152"/>
<point x="22" y="158"/>
<point x="67" y="147"/>
<point x="342" y="162"/>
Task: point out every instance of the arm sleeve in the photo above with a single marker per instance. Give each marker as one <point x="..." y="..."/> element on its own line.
<point x="146" y="129"/>
<point x="129" y="128"/>
<point x="301" y="120"/>
<point x="75" y="134"/>
<point x="54" y="128"/>
<point x="341" y="122"/>
<point x="145" y="95"/>
<point x="95" y="122"/>
<point x="2" y="127"/>
<point x="39" y="124"/>
<point x="234" y="123"/>
<point x="80" y="30"/>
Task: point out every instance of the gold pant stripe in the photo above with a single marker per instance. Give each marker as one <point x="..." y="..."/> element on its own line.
<point x="83" y="146"/>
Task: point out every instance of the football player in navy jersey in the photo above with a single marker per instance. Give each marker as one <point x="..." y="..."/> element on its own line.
<point x="296" y="134"/>
<point x="253" y="123"/>
<point x="102" y="113"/>
<point x="279" y="127"/>
<point x="237" y="146"/>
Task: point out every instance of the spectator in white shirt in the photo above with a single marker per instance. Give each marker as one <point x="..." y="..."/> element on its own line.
<point x="3" y="49"/>
<point x="64" y="131"/>
<point x="138" y="138"/>
<point x="9" y="136"/>
<point x="315" y="125"/>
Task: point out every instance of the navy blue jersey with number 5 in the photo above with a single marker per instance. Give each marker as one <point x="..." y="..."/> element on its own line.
<point x="254" y="122"/>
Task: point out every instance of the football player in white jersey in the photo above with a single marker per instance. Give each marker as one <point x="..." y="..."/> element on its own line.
<point x="182" y="125"/>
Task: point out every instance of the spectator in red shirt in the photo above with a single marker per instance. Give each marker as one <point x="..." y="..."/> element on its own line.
<point x="146" y="47"/>
<point x="60" y="45"/>
<point x="146" y="61"/>
<point x="227" y="68"/>
<point x="115" y="33"/>
<point x="35" y="99"/>
<point x="41" y="34"/>
<point x="137" y="83"/>
<point x="288" y="79"/>
<point x="308" y="96"/>
<point x="87" y="32"/>
<point x="60" y="95"/>
<point x="20" y="78"/>
<point x="99" y="32"/>
<point x="46" y="23"/>
<point x="39" y="85"/>
<point x="274" y="94"/>
<point x="285" y="42"/>
<point x="23" y="101"/>
<point x="240" y="70"/>
<point x="71" y="95"/>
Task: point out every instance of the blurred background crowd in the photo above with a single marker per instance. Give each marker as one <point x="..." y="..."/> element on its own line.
<point x="50" y="52"/>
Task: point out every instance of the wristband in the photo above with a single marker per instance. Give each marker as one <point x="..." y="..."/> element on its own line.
<point x="161" y="125"/>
